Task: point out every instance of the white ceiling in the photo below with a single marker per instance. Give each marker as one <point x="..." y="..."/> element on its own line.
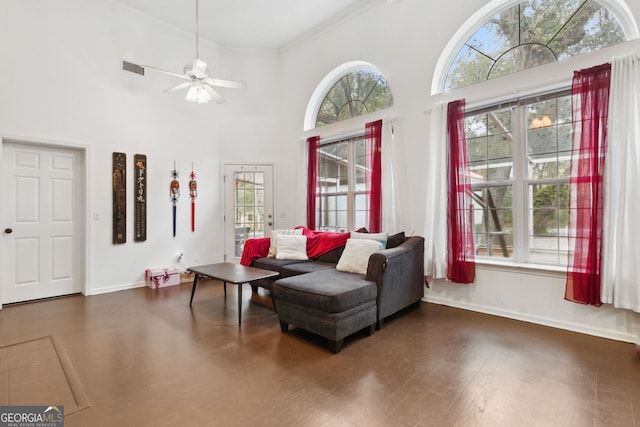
<point x="262" y="24"/>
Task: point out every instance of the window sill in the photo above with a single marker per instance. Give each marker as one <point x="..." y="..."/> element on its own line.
<point x="532" y="269"/>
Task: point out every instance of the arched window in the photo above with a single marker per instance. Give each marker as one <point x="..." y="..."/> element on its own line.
<point x="533" y="33"/>
<point x="351" y="90"/>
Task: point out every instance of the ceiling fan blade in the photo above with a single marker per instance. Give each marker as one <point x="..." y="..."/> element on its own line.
<point x="178" y="87"/>
<point x="182" y="76"/>
<point x="226" y="83"/>
<point x="214" y="94"/>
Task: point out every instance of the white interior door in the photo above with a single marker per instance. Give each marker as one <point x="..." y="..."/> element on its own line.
<point x="248" y="195"/>
<point x="42" y="241"/>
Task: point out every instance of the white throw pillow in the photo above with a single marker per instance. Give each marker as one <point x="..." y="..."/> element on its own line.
<point x="292" y="247"/>
<point x="274" y="239"/>
<point x="355" y="258"/>
<point x="380" y="237"/>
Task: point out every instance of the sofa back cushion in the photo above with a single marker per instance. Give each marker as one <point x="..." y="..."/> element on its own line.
<point x="332" y="256"/>
<point x="380" y="237"/>
<point x="396" y="240"/>
<point x="393" y="241"/>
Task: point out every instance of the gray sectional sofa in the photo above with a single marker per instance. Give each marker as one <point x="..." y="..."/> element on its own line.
<point x="314" y="296"/>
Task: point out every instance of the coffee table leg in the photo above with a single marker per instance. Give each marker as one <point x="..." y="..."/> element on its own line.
<point x="193" y="289"/>
<point x="239" y="304"/>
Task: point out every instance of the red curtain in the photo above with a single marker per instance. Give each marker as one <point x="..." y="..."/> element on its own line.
<point x="312" y="174"/>
<point x="373" y="175"/>
<point x="461" y="267"/>
<point x="590" y="98"/>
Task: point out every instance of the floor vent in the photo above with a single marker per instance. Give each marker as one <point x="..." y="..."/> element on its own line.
<point x="132" y="68"/>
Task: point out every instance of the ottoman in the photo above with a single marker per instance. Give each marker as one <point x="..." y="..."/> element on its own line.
<point x="329" y="303"/>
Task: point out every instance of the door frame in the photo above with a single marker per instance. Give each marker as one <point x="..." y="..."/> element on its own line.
<point x="85" y="238"/>
<point x="274" y="179"/>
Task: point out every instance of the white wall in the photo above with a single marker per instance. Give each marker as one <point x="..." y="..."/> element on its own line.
<point x="405" y="41"/>
<point x="61" y="82"/>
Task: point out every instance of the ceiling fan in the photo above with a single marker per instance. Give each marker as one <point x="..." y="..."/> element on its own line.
<point x="199" y="82"/>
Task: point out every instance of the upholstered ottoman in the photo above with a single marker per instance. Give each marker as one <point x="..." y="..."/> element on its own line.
<point x="329" y="303"/>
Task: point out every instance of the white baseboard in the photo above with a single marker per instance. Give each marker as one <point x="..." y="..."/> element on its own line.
<point x="115" y="288"/>
<point x="574" y="327"/>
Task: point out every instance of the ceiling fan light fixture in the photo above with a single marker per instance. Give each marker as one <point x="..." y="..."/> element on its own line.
<point x="198" y="94"/>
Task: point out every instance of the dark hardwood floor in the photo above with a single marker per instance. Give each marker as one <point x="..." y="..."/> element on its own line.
<point x="144" y="358"/>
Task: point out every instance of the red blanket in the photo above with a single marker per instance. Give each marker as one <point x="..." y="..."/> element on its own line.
<point x="321" y="242"/>
<point x="254" y="249"/>
<point x="318" y="243"/>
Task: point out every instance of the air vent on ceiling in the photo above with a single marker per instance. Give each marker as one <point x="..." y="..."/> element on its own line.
<point x="132" y="68"/>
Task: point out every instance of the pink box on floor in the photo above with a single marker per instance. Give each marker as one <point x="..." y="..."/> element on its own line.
<point x="162" y="277"/>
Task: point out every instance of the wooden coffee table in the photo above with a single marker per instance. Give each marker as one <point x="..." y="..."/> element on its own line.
<point x="228" y="272"/>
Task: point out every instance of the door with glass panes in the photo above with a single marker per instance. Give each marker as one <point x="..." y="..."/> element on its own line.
<point x="248" y="195"/>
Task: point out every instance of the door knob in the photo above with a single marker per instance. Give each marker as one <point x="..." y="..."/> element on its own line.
<point x="270" y="223"/>
<point x="8" y="230"/>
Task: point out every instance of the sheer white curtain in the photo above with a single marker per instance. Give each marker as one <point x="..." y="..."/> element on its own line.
<point x="435" y="230"/>
<point x="392" y="177"/>
<point x="621" y="228"/>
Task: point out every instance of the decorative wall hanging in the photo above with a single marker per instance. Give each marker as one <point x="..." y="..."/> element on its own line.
<point x="174" y="194"/>
<point x="193" y="193"/>
<point x="140" y="194"/>
<point x="119" y="182"/>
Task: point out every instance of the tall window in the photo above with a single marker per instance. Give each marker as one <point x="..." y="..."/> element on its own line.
<point x="533" y="33"/>
<point x="341" y="197"/>
<point x="519" y="162"/>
